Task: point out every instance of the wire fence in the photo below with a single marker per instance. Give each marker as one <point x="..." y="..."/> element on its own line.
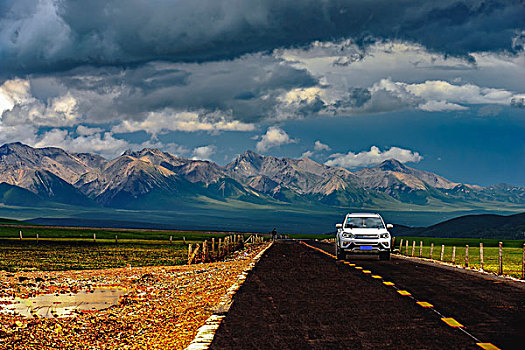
<point x="25" y="252"/>
<point x="500" y="260"/>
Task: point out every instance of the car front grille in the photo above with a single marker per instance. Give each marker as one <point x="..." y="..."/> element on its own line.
<point x="366" y="236"/>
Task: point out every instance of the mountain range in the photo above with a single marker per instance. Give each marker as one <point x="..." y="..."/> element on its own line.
<point x="151" y="179"/>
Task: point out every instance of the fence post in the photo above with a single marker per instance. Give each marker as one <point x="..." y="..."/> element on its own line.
<point x="392" y="244"/>
<point x="442" y="252"/>
<point x="171" y="240"/>
<point x="193" y="255"/>
<point x="21" y="235"/>
<point x="94" y="238"/>
<point x="406" y="248"/>
<point x="500" y="259"/>
<point x="205" y="251"/>
<point x="454" y="255"/>
<point x="481" y="256"/>
<point x="189" y="251"/>
<point x="523" y="264"/>
<point x="213" y="246"/>
<point x="420" y="249"/>
<point x="466" y="255"/>
<point x="37" y="237"/>
<point x="413" y="248"/>
<point x="401" y="246"/>
<point x="116" y="239"/>
<point x="184" y="239"/>
<point x="431" y="250"/>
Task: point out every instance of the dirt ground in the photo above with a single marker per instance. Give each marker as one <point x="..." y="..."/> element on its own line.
<point x="162" y="309"/>
<point x="298" y="298"/>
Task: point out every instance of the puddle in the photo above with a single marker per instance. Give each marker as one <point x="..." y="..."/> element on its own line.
<point x="62" y="305"/>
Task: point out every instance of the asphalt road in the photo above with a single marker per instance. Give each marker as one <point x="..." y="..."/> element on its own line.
<point x="299" y="298"/>
<point x="491" y="308"/>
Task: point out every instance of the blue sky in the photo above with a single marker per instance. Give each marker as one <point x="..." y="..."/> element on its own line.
<point x="438" y="86"/>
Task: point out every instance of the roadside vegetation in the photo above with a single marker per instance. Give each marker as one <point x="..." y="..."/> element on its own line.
<point x="512" y="252"/>
<point x="59" y="249"/>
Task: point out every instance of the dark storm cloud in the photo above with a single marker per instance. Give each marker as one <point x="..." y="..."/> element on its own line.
<point x="247" y="87"/>
<point x="50" y="35"/>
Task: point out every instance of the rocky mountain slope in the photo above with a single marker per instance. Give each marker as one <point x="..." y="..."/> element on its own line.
<point x="152" y="179"/>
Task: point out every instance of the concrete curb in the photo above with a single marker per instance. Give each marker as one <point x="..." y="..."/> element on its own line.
<point x="206" y="332"/>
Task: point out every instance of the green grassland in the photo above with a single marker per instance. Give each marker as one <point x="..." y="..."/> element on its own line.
<point x="512" y="252"/>
<point x="53" y="255"/>
<point x="59" y="248"/>
<point x="86" y="233"/>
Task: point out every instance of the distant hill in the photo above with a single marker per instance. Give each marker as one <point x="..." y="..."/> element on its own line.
<point x="11" y="222"/>
<point x="14" y="195"/>
<point x="471" y="226"/>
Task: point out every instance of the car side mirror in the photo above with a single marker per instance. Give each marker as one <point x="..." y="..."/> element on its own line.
<point x="338" y="226"/>
<point x="389" y="226"/>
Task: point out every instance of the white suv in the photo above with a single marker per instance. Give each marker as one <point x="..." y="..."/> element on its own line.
<point x="363" y="233"/>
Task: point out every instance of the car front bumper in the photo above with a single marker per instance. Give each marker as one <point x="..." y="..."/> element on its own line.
<point x="365" y="247"/>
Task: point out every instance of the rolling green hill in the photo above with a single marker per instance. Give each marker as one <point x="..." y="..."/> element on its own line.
<point x="474" y="226"/>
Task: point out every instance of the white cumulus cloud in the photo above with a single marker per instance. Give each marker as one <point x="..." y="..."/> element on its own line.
<point x="373" y="157"/>
<point x="436" y="106"/>
<point x="18" y="106"/>
<point x="87" y="131"/>
<point x="203" y="152"/>
<point x="307" y="154"/>
<point x="439" y="95"/>
<point x="168" y="120"/>
<point x="274" y="137"/>
<point x="319" y="146"/>
<point x="102" y="143"/>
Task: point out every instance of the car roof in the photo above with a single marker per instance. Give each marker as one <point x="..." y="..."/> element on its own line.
<point x="363" y="215"/>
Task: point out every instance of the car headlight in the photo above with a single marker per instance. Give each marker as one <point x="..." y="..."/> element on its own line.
<point x="348" y="235"/>
<point x="384" y="235"/>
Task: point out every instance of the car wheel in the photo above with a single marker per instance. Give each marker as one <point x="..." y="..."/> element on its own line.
<point x="384" y="256"/>
<point x="338" y="254"/>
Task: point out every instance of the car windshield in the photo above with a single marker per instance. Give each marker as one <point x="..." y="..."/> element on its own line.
<point x="356" y="222"/>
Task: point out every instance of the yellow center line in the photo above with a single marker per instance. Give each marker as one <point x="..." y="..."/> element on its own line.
<point x="358" y="268"/>
<point x="376" y="276"/>
<point x="451" y="322"/>
<point x="424" y="304"/>
<point x="403" y="292"/>
<point x="367" y="271"/>
<point x="488" y="346"/>
<point x="388" y="283"/>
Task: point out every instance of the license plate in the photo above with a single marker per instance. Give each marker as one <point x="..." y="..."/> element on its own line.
<point x="365" y="247"/>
